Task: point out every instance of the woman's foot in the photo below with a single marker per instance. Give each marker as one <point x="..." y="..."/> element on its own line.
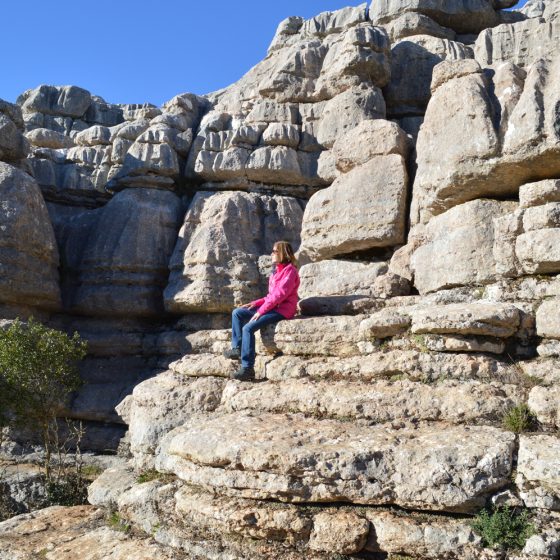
<point x="244" y="374"/>
<point x="233" y="354"/>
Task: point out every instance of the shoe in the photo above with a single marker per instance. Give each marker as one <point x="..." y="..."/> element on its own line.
<point x="233" y="354"/>
<point x="244" y="374"/>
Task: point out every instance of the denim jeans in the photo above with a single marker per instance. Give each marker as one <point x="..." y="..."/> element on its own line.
<point x="243" y="331"/>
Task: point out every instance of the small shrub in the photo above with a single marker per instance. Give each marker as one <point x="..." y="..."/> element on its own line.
<point x="503" y="527"/>
<point x="519" y="419"/>
<point x="152" y="474"/>
<point x="117" y="523"/>
<point x="419" y="341"/>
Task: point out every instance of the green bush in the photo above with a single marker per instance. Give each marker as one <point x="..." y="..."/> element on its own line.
<point x="503" y="527"/>
<point x="519" y="419"/>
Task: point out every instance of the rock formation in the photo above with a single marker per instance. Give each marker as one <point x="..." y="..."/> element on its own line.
<point x="409" y="150"/>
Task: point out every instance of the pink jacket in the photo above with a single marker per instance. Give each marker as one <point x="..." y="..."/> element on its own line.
<point x="282" y="292"/>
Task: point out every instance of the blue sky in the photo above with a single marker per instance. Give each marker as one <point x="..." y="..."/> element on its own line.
<point x="141" y="51"/>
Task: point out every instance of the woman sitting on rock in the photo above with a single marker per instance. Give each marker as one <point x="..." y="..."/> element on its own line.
<point x="280" y="303"/>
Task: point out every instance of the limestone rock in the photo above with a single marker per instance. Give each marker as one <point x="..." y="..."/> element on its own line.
<point x="459" y="343"/>
<point x="545" y="403"/>
<point x="539" y="251"/>
<point x="538" y="471"/>
<point x="408" y="93"/>
<point x="548" y="322"/>
<point x="385" y="323"/>
<point x="105" y="490"/>
<point x="466" y="229"/>
<point x="45" y="138"/>
<point x="467" y="16"/>
<point x="162" y="403"/>
<point x="13" y="145"/>
<point x="498" y="320"/>
<point x="540" y="192"/>
<point x="214" y="263"/>
<point x="94" y="136"/>
<point x="67" y="101"/>
<point x="124" y="266"/>
<point x="342" y="533"/>
<point x="380" y="401"/>
<point x="363" y="209"/>
<point x="28" y="252"/>
<point x="413" y="23"/>
<point x="296" y="459"/>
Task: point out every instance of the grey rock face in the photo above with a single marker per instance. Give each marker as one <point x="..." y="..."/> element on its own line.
<point x="13" y="145"/>
<point x="267" y="456"/>
<point x="214" y="266"/>
<point x="465" y="16"/>
<point x="124" y="266"/>
<point x="28" y="252"/>
<point x="67" y="101"/>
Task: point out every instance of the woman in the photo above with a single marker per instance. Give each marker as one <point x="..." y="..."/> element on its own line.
<point x="280" y="303"/>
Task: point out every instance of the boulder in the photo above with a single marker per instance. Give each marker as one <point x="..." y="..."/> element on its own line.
<point x="29" y="256"/>
<point x="539" y="192"/>
<point x="548" y="321"/>
<point x="467" y="229"/>
<point x="66" y="101"/>
<point x="413" y="23"/>
<point x="215" y="263"/>
<point x="363" y="209"/>
<point x="538" y="471"/>
<point x="545" y="403"/>
<point x="45" y="138"/>
<point x="13" y="145"/>
<point x="341" y="532"/>
<point x="124" y="266"/>
<point x="298" y="459"/>
<point x="465" y="16"/>
<point x="539" y="251"/>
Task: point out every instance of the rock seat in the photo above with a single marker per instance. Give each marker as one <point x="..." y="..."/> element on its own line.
<point x="293" y="458"/>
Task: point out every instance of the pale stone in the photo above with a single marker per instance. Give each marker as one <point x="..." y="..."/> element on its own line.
<point x="548" y="320"/>
<point x="93" y="136"/>
<point x="345" y="111"/>
<point x="545" y="403"/>
<point x="301" y="459"/>
<point x="457" y="343"/>
<point x="143" y="157"/>
<point x="107" y="487"/>
<point x="538" y="471"/>
<point x="341" y="533"/>
<point x="486" y="319"/>
<point x="29" y="255"/>
<point x="68" y="101"/>
<point x="338" y="277"/>
<point x="542" y="217"/>
<point x="214" y="266"/>
<point x="361" y="210"/>
<point x="466" y="229"/>
<point x="385" y="323"/>
<point x="204" y="365"/>
<point x="506" y="230"/>
<point x="380" y="401"/>
<point x="368" y="139"/>
<point x="539" y="251"/>
<point x="546" y="371"/>
<point x="45" y="138"/>
<point x="467" y="16"/>
<point x="412" y="23"/>
<point x="449" y="70"/>
<point x="548" y="348"/>
<point x="278" y="134"/>
<point x="540" y="192"/>
<point x="408" y="93"/>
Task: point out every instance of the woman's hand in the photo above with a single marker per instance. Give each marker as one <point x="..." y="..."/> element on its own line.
<point x="247" y="306"/>
<point x="256" y="316"/>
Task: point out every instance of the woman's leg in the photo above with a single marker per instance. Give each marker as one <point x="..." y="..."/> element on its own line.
<point x="239" y="318"/>
<point x="248" y="336"/>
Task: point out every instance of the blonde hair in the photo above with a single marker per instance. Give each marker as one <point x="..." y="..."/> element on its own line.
<point x="285" y="253"/>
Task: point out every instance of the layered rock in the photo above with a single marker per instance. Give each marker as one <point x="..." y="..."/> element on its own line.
<point x="13" y="145"/>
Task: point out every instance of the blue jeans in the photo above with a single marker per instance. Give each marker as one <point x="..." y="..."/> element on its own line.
<point x="243" y="331"/>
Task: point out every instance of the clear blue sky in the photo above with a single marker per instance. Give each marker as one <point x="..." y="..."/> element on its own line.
<point x="139" y="51"/>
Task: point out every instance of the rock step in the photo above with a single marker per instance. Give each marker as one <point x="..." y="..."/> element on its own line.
<point x="379" y="401"/>
<point x="298" y="459"/>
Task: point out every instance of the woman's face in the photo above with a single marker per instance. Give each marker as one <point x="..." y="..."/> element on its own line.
<point x="275" y="258"/>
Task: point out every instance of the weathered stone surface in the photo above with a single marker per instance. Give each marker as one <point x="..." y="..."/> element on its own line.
<point x="412" y="23"/>
<point x="539" y="251"/>
<point x="504" y="127"/>
<point x="538" y="471"/>
<point x="93" y="136"/>
<point x="545" y="403"/>
<point x="342" y="532"/>
<point x="486" y="319"/>
<point x="380" y="401"/>
<point x="162" y="403"/>
<point x="466" y="229"/>
<point x="338" y="277"/>
<point x="45" y="138"/>
<point x="293" y="458"/>
<point x="458" y="343"/>
<point x="66" y="533"/>
<point x="469" y="16"/>
<point x="13" y="145"/>
<point x="540" y="192"/>
<point x="363" y="209"/>
<point x="368" y="139"/>
<point x="408" y="93"/>
<point x="548" y="321"/>
<point x="548" y="348"/>
<point x="451" y="69"/>
<point x="106" y="489"/>
<point x="521" y="42"/>
<point x="214" y="266"/>
<point x="28" y="251"/>
<point x="542" y="217"/>
<point x="123" y="268"/>
<point x="547" y="371"/>
<point x="67" y="101"/>
<point x="385" y="323"/>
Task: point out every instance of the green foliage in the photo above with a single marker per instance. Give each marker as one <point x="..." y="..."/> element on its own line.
<point x="152" y="474"/>
<point x="117" y="523"/>
<point x="519" y="419"/>
<point x="69" y="489"/>
<point x="503" y="527"/>
<point x="38" y="368"/>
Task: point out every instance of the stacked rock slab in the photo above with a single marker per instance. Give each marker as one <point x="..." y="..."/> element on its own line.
<point x="376" y="427"/>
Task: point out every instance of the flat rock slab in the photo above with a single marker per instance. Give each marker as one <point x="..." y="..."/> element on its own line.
<point x="545" y="403"/>
<point x="379" y="401"/>
<point x="483" y="319"/>
<point x="538" y="471"/>
<point x="548" y="318"/>
<point x="298" y="459"/>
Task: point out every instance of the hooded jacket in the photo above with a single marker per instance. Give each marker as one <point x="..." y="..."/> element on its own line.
<point x="282" y="294"/>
